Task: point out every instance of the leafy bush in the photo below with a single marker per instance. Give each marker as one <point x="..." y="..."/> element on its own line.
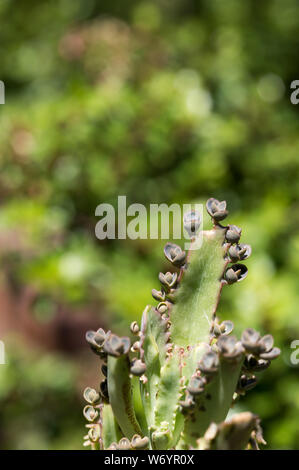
<point x="162" y="102"/>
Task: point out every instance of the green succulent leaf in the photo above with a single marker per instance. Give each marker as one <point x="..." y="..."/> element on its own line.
<point x="120" y="395"/>
<point x="110" y="429"/>
<point x="215" y="403"/>
<point x="154" y="347"/>
<point x="233" y="434"/>
<point x="167" y="408"/>
<point x="199" y="292"/>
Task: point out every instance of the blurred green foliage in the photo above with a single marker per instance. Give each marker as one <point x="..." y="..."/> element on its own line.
<point x="38" y="402"/>
<point x="161" y="101"/>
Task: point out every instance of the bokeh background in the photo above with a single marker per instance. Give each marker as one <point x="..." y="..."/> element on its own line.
<point x="161" y="101"/>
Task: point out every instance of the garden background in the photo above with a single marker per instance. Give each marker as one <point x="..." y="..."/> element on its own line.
<point x="161" y="101"/>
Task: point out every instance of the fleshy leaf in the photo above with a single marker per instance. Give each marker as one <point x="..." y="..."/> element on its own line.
<point x="214" y="405"/>
<point x="120" y="395"/>
<point x="233" y="434"/>
<point x="110" y="429"/>
<point x="154" y="349"/>
<point x="167" y="408"/>
<point x="198" y="295"/>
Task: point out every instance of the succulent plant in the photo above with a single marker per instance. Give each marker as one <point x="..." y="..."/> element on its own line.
<point x="190" y="368"/>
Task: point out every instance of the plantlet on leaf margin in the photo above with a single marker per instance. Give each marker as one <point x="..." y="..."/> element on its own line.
<point x="190" y="368"/>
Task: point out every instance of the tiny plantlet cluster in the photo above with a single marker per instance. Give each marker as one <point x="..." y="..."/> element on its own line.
<point x="191" y="369"/>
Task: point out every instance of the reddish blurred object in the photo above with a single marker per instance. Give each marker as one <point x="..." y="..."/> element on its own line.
<point x="65" y="331"/>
